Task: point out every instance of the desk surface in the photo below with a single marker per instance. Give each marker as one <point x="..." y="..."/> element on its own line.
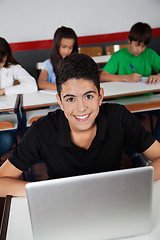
<point x="38" y="99"/>
<point x="120" y="89"/>
<point x="98" y="59"/>
<point x="19" y="226"/>
<point x="111" y="90"/>
<point x="101" y="59"/>
<point x="9" y="103"/>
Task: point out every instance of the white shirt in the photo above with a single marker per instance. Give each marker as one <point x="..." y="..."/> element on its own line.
<point x="16" y="72"/>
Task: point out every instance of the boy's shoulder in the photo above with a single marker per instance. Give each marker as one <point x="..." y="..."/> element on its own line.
<point x="120" y="53"/>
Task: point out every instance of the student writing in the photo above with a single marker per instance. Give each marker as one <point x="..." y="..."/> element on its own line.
<point x="143" y="60"/>
<point x="11" y="70"/>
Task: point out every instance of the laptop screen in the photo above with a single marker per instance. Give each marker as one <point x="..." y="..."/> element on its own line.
<point x="92" y="207"/>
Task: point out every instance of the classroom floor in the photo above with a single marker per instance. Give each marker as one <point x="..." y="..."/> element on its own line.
<point x="40" y="172"/>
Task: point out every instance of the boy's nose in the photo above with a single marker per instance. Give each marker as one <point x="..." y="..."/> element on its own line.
<point x="80" y="105"/>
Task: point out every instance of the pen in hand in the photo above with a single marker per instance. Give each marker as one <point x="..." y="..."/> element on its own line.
<point x="132" y="68"/>
<point x="135" y="77"/>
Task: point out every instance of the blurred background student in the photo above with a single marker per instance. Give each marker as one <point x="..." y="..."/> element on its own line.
<point x="137" y="61"/>
<point x="131" y="64"/>
<point x="64" y="43"/>
<point x="10" y="71"/>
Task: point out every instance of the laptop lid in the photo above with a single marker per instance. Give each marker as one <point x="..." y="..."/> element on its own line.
<point x="92" y="207"/>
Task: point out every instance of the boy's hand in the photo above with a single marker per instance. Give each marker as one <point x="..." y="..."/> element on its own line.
<point x="2" y="91"/>
<point x="153" y="79"/>
<point x="135" y="77"/>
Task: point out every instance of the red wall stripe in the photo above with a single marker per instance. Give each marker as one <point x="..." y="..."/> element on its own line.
<point x="92" y="39"/>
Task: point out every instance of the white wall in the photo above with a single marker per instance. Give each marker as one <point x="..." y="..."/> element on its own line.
<point x="30" y="20"/>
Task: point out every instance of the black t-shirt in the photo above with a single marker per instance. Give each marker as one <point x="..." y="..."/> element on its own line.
<point x="48" y="139"/>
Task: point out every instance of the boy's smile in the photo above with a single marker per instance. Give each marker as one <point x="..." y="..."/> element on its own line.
<point x="80" y="102"/>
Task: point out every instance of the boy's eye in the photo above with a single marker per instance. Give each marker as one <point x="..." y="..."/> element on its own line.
<point x="70" y="99"/>
<point x="89" y="96"/>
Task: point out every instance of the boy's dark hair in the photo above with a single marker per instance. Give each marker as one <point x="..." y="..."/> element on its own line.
<point x="5" y="50"/>
<point x="77" y="66"/>
<point x="62" y="32"/>
<point x="140" y="32"/>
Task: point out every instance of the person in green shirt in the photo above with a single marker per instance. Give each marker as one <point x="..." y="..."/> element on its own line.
<point x="131" y="64"/>
<point x="137" y="61"/>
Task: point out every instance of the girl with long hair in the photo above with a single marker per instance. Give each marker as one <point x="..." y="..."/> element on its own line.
<point x="64" y="43"/>
<point x="11" y="70"/>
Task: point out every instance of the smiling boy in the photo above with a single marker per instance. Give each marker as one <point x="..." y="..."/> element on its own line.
<point x="84" y="137"/>
<point x="142" y="59"/>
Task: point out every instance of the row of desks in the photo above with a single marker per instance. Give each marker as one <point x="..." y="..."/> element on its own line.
<point x="41" y="99"/>
<point x="30" y="104"/>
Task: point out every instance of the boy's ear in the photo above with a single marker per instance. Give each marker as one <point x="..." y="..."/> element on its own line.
<point x="101" y="95"/>
<point x="129" y="41"/>
<point x="59" y="101"/>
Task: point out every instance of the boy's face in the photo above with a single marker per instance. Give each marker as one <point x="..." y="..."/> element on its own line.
<point x="136" y="48"/>
<point x="80" y="102"/>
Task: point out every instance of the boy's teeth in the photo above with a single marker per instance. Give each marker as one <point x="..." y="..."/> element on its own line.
<point x="82" y="117"/>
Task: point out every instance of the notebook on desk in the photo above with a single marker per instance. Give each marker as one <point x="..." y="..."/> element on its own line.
<point x="92" y="207"/>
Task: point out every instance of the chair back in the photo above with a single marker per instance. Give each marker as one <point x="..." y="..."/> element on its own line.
<point x="6" y="125"/>
<point x="91" y="51"/>
<point x="113" y="48"/>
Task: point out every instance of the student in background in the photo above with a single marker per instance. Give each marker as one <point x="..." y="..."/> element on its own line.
<point x="131" y="64"/>
<point x="11" y="70"/>
<point x="65" y="43"/>
<point x="136" y="61"/>
<point x="83" y="137"/>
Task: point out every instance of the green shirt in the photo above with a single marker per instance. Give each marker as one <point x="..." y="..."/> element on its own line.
<point x="143" y="64"/>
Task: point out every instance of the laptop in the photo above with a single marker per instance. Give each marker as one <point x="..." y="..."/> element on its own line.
<point x="97" y="206"/>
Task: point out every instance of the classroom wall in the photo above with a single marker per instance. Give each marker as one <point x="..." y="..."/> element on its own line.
<point x="36" y="20"/>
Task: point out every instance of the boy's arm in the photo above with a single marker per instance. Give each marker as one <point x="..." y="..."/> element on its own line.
<point x="107" y="77"/>
<point x="9" y="182"/>
<point x="153" y="153"/>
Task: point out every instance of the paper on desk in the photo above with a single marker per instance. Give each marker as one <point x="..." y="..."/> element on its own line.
<point x="2" y="104"/>
<point x="143" y="80"/>
<point x="51" y="92"/>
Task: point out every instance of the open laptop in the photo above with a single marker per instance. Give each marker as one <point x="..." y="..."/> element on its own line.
<point x="92" y="207"/>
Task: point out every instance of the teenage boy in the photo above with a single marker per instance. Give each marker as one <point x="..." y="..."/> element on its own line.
<point x="84" y="137"/>
<point x="137" y="61"/>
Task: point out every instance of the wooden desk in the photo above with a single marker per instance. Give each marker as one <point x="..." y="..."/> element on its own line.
<point x="139" y="103"/>
<point x="33" y="105"/>
<point x="121" y="89"/>
<point x="9" y="103"/>
<point x="98" y="59"/>
<point x="19" y="226"/>
<point x="101" y="59"/>
<point x="37" y="100"/>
